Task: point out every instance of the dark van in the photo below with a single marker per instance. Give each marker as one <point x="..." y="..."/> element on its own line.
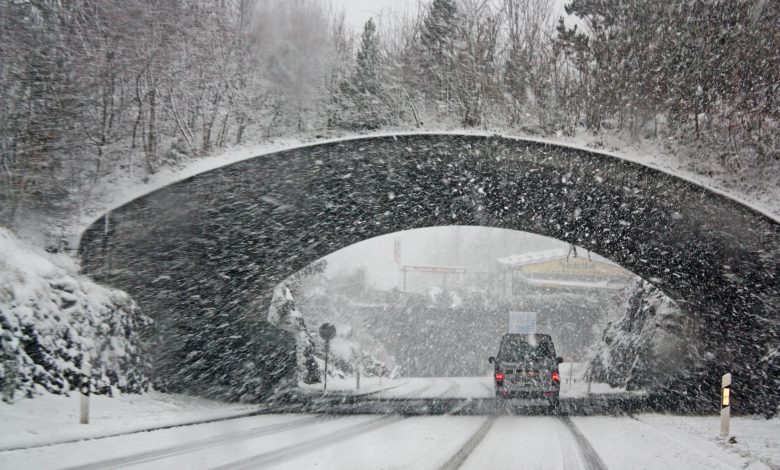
<point x="526" y="367"/>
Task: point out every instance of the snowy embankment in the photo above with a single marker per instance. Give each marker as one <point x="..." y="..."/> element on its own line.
<point x="120" y="187"/>
<point x="687" y="442"/>
<point x="53" y="320"/>
<point x="53" y="419"/>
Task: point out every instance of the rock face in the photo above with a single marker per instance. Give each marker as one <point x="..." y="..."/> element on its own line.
<point x="52" y="320"/>
<point x="649" y="346"/>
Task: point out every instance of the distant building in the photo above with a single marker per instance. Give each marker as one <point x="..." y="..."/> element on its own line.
<point x="557" y="270"/>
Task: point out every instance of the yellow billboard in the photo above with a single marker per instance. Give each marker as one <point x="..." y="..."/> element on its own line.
<point x="573" y="268"/>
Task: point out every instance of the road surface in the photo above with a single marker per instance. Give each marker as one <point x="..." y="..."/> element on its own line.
<point x="303" y="441"/>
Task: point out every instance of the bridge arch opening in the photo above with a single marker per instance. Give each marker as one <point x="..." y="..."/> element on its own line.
<point x="434" y="302"/>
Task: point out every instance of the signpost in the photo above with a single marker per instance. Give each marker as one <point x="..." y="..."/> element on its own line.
<point x="327" y="332"/>
<point x="725" y="405"/>
<point x="522" y="323"/>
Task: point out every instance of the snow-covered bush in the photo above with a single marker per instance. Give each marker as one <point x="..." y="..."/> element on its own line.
<point x="52" y="319"/>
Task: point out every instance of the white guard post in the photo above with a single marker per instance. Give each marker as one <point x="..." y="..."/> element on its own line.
<point x="725" y="405"/>
<point x="85" y="389"/>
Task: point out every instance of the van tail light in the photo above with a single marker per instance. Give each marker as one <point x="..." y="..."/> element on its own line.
<point x="556" y="377"/>
<point x="499" y="376"/>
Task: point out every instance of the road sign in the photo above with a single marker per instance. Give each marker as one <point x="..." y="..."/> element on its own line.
<point x="327" y="331"/>
<point x="522" y="322"/>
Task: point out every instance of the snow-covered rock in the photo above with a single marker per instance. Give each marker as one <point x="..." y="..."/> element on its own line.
<point x="52" y="319"/>
<point x="647" y="347"/>
<point x="283" y="314"/>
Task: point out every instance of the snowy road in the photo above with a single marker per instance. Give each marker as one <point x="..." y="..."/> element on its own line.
<point x="301" y="441"/>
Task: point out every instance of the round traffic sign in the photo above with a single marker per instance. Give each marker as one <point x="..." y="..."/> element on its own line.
<point x="327" y="331"/>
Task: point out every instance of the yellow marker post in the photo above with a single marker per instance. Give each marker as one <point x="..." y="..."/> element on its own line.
<point x="725" y="405"/>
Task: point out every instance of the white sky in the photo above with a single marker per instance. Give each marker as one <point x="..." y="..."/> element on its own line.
<point x="359" y="11"/>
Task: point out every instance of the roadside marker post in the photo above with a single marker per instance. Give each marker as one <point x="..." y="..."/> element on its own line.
<point x="571" y="370"/>
<point x="589" y="379"/>
<point x="725" y="405"/>
<point x="327" y="332"/>
<point x="85" y="389"/>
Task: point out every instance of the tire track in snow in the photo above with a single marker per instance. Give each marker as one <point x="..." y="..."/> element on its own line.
<point x="300" y="448"/>
<point x="590" y="457"/>
<point x="466" y="449"/>
<point x="380" y="391"/>
<point x="202" y="444"/>
<point x="419" y="391"/>
<point x="452" y="390"/>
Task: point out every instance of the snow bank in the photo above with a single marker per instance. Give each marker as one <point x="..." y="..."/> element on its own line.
<point x="754" y="439"/>
<point x="55" y="418"/>
<point x="52" y="319"/>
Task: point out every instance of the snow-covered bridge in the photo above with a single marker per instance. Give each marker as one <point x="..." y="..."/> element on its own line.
<point x="202" y="255"/>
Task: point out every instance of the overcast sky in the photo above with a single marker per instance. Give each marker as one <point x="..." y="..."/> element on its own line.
<point x="359" y="11"/>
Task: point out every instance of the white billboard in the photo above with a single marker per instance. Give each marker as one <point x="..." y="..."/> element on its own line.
<point x="522" y="322"/>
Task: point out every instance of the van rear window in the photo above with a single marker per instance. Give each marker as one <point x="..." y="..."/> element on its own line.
<point x="518" y="350"/>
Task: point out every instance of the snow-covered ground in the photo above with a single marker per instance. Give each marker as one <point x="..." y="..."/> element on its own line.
<point x="664" y="441"/>
<point x="51" y="418"/>
<point x="303" y="441"/>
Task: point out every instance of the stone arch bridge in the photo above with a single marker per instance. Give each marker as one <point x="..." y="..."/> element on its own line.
<point x="202" y="255"/>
